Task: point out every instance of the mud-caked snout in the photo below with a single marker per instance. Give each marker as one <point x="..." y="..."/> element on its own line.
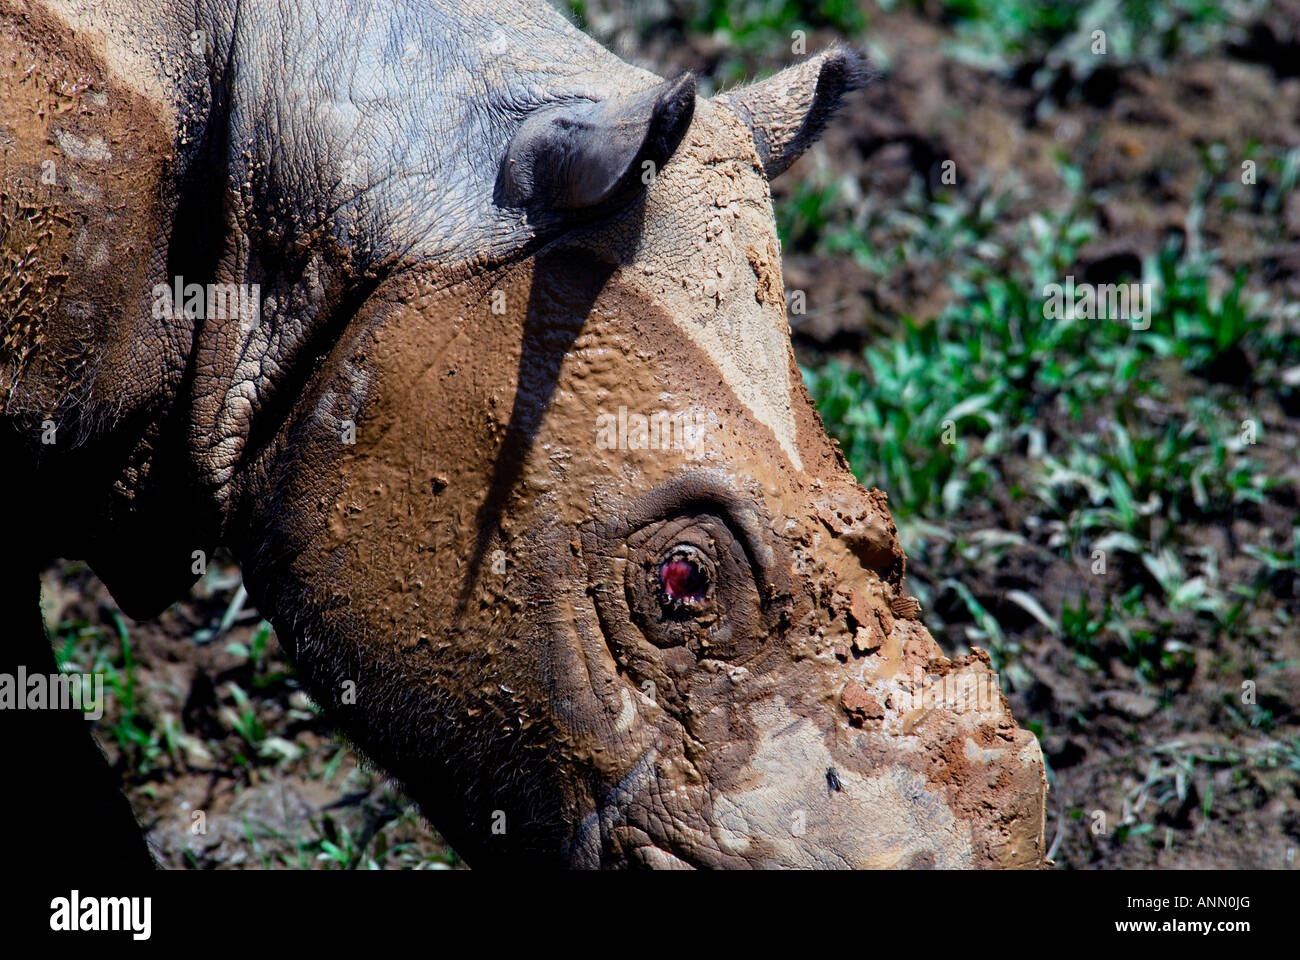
<point x="823" y="727"/>
<point x="914" y="773"/>
<point x="906" y="758"/>
<point x="913" y="759"/>
<point x="890" y="770"/>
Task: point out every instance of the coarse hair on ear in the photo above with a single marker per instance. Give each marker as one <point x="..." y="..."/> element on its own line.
<point x="787" y="112"/>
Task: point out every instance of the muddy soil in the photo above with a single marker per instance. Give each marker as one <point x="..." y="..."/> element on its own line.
<point x="226" y="762"/>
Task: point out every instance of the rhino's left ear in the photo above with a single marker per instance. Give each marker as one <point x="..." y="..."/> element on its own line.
<point x="788" y="111"/>
<point x="581" y="154"/>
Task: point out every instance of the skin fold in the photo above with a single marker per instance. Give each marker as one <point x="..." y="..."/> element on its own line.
<point x="432" y="453"/>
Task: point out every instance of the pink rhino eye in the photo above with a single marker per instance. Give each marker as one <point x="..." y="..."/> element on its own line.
<point x="683" y="578"/>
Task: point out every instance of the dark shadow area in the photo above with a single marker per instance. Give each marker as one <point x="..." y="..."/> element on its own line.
<point x="559" y="301"/>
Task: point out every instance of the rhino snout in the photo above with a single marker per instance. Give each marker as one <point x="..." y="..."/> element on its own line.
<point x="800" y="715"/>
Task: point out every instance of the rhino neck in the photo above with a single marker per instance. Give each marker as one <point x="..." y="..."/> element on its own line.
<point x="365" y="139"/>
<point x="88" y="396"/>
<point x="308" y="169"/>
<point x="383" y="124"/>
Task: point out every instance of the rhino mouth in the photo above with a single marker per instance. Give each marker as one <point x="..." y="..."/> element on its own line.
<point x="641" y="824"/>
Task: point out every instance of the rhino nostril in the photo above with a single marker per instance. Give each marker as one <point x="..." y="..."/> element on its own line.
<point x="873" y="544"/>
<point x="861" y="521"/>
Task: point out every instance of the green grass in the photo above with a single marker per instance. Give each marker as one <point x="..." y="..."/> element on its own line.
<point x="257" y="741"/>
<point x="752" y="23"/>
<point x="255" y="652"/>
<point x="750" y="35"/>
<point x="1179" y="776"/>
<point x="926" y="411"/>
<point x="327" y="842"/>
<point x="1062" y="33"/>
<point x="1120" y="438"/>
<point x="82" y="648"/>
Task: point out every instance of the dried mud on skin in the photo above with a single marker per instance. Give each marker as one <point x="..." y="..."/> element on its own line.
<point x="1139" y="140"/>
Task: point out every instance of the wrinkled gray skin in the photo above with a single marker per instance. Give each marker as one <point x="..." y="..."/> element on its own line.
<point x="377" y="168"/>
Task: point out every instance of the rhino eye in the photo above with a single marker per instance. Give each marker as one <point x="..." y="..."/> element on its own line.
<point x="690" y="583"/>
<point x="688" y="570"/>
<point x="685" y="580"/>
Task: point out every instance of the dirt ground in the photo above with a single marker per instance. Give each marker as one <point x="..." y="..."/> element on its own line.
<point x="1170" y="753"/>
<point x="226" y="762"/>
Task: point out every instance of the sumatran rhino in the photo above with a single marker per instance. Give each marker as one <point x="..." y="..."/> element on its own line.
<point x="469" y="341"/>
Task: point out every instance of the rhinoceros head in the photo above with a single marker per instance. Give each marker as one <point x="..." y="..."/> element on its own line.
<point x="560" y="540"/>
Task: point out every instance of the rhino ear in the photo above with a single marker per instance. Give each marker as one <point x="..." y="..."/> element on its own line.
<point x="788" y="111"/>
<point x="580" y="154"/>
